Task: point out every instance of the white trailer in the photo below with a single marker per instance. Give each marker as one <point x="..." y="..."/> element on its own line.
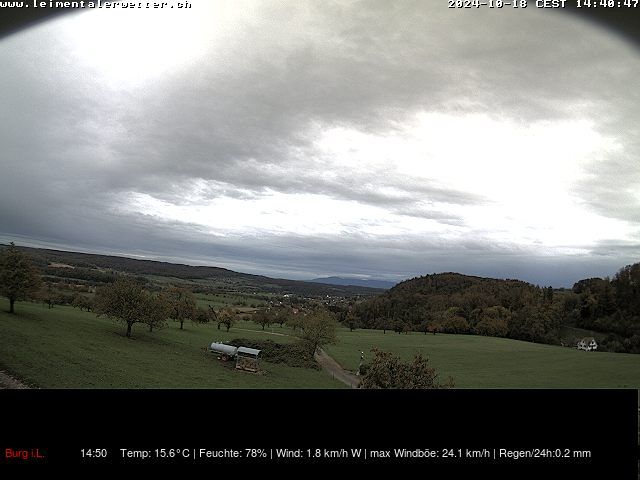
<point x="246" y="358"/>
<point x="223" y="350"/>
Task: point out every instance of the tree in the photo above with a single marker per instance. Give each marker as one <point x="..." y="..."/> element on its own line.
<point x="124" y="300"/>
<point x="383" y="324"/>
<point x="547" y="295"/>
<point x="282" y="315"/>
<point x="154" y="311"/>
<point x="226" y="318"/>
<point x="213" y="316"/>
<point x="183" y="304"/>
<point x="48" y="296"/>
<point x="82" y="302"/>
<point x="387" y="370"/>
<point x="531" y="324"/>
<point x="263" y="317"/>
<point x="295" y="320"/>
<point x="400" y="326"/>
<point x="494" y="322"/>
<point x="351" y="321"/>
<point x="318" y="329"/>
<point x="425" y="326"/>
<point x="203" y="316"/>
<point x="18" y="279"/>
<point x="627" y="288"/>
<point x="452" y="321"/>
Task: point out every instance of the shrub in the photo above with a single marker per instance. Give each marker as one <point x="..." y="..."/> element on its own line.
<point x="291" y="354"/>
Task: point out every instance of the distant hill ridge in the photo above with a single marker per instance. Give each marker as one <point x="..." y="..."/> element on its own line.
<point x="44" y="257"/>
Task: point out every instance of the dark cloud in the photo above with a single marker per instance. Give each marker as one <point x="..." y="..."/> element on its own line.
<point x="244" y="120"/>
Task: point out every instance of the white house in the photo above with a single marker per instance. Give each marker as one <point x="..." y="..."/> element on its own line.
<point x="587" y="344"/>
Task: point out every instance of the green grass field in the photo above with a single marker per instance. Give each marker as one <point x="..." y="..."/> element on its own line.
<point x="237" y="302"/>
<point x="66" y="348"/>
<point x="487" y="362"/>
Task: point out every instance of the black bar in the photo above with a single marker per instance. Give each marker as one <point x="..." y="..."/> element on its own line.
<point x="576" y="433"/>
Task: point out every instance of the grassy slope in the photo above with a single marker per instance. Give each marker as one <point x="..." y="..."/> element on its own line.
<point x="64" y="348"/>
<point x="486" y="362"/>
<point x="233" y="301"/>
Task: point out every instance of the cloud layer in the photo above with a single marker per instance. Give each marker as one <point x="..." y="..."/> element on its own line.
<point x="303" y="140"/>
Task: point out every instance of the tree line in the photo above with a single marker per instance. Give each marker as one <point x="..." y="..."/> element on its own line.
<point x="455" y="303"/>
<point x="128" y="300"/>
<point x="447" y="302"/>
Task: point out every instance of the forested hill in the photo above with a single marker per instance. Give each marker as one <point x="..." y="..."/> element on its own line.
<point x="92" y="267"/>
<point x="449" y="301"/>
<point x="443" y="284"/>
<point x="455" y="303"/>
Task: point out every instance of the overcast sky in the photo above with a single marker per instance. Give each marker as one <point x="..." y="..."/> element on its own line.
<point x="303" y="139"/>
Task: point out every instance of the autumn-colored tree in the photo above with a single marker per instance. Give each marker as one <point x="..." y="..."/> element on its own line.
<point x="82" y="302"/>
<point x="203" y="316"/>
<point x="494" y="322"/>
<point x="47" y="295"/>
<point x="318" y="329"/>
<point x="18" y="279"/>
<point x="227" y="318"/>
<point x="124" y="300"/>
<point x="351" y="321"/>
<point x="451" y="321"/>
<point x="387" y="370"/>
<point x="183" y="304"/>
<point x="155" y="311"/>
<point x="282" y="315"/>
<point x="400" y="326"/>
<point x="263" y="317"/>
<point x="294" y="320"/>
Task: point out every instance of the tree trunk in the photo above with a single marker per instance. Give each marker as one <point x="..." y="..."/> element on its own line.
<point x="181" y="324"/>
<point x="151" y="327"/>
<point x="129" y="328"/>
<point x="263" y="327"/>
<point x="11" y="302"/>
<point x="228" y="327"/>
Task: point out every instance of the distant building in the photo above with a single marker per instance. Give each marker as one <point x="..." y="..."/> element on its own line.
<point x="587" y="344"/>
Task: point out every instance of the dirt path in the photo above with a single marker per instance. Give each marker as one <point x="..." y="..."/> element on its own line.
<point x="263" y="331"/>
<point x="7" y="381"/>
<point x="336" y="371"/>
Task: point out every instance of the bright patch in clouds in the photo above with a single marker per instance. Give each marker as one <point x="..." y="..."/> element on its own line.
<point x="387" y="139"/>
<point x="279" y="213"/>
<point x="524" y="173"/>
<point x="131" y="47"/>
